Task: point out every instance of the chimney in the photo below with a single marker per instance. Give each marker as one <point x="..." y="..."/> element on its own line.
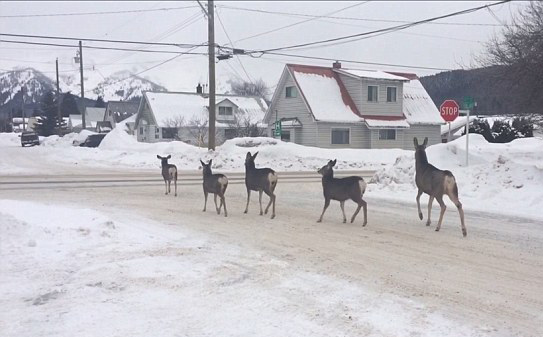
<point x="336" y="65"/>
<point x="199" y="89"/>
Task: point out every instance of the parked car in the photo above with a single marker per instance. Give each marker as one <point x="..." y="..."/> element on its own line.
<point x="29" y="138"/>
<point x="93" y="140"/>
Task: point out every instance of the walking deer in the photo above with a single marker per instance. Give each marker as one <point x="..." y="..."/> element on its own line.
<point x="261" y="180"/>
<point x="342" y="189"/>
<point x="169" y="173"/>
<point x="216" y="184"/>
<point x="435" y="183"/>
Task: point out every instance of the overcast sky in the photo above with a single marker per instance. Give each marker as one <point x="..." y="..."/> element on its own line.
<point x="447" y="46"/>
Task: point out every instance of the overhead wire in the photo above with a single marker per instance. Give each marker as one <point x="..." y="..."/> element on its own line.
<point x="95" y="13"/>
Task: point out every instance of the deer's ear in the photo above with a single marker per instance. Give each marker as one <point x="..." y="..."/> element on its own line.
<point x="415" y="142"/>
<point x="209" y="163"/>
<point x="248" y="155"/>
<point x="202" y="163"/>
<point x="159" y="157"/>
<point x="334" y="162"/>
<point x="425" y="142"/>
<point x="254" y="155"/>
<point x="169" y="156"/>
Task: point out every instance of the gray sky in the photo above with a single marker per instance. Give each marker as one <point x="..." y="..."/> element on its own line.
<point x="429" y="45"/>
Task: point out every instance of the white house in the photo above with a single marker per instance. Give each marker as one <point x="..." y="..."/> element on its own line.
<point x="166" y="116"/>
<point x="348" y="108"/>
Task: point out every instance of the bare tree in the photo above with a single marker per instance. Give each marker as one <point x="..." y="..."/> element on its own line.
<point x="518" y="58"/>
<point x="243" y="126"/>
<point x="198" y="129"/>
<point x="257" y="88"/>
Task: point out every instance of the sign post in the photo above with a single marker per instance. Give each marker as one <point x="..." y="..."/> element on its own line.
<point x="449" y="112"/>
<point x="277" y="130"/>
<point x="468" y="104"/>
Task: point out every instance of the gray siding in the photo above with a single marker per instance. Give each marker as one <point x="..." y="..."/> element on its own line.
<point x="359" y="135"/>
<point x="358" y="89"/>
<point x="290" y="108"/>
<point x="433" y="132"/>
<point x="397" y="143"/>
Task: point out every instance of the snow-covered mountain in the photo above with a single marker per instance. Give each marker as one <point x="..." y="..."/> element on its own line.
<point x="119" y="86"/>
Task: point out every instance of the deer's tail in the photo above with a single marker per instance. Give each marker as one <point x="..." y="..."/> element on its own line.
<point x="363" y="186"/>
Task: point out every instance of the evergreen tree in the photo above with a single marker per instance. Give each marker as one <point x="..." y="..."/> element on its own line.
<point x="48" y="122"/>
<point x="100" y="103"/>
<point x="69" y="105"/>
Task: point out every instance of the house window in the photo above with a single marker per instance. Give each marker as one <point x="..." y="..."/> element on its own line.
<point x="387" y="134"/>
<point x="372" y="93"/>
<point x="157" y="133"/>
<point x="225" y="111"/>
<point x="169" y="133"/>
<point x="291" y="92"/>
<point x="285" y="136"/>
<point x="340" y="136"/>
<point x="391" y="94"/>
<point x="141" y="129"/>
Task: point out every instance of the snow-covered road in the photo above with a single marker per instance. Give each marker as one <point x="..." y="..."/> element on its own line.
<point x="130" y="261"/>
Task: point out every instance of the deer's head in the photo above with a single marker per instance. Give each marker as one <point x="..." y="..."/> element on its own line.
<point x="164" y="160"/>
<point x="420" y="150"/>
<point x="250" y="159"/>
<point x="206" y="168"/>
<point x="328" y="169"/>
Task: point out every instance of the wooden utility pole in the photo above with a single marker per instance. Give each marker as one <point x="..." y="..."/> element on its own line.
<point x="23" y="106"/>
<point x="82" y="86"/>
<point x="58" y="103"/>
<point x="211" y="48"/>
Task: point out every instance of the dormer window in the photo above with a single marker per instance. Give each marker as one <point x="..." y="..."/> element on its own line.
<point x="291" y="92"/>
<point x="225" y="111"/>
<point x="373" y="93"/>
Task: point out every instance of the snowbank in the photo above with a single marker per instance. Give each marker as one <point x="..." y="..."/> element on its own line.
<point x="505" y="178"/>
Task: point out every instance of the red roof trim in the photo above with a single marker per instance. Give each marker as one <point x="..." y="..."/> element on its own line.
<point x="385" y="118"/>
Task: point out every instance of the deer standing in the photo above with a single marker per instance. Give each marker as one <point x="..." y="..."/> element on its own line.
<point x="342" y="189"/>
<point x="216" y="184"/>
<point x="261" y="180"/>
<point x="435" y="183"/>
<point x="169" y="173"/>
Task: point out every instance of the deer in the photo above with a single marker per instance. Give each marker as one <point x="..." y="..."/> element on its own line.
<point x="342" y="189"/>
<point x="261" y="180"/>
<point x="169" y="173"/>
<point x="435" y="183"/>
<point x="216" y="184"/>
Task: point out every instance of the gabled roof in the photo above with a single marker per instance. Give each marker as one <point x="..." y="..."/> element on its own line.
<point x="121" y="110"/>
<point x="418" y="106"/>
<point x="167" y="106"/>
<point x="373" y="74"/>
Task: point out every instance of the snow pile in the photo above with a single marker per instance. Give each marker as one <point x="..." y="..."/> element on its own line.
<point x="72" y="271"/>
<point x="508" y="174"/>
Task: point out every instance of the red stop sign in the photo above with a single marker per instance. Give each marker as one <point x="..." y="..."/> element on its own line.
<point x="449" y="110"/>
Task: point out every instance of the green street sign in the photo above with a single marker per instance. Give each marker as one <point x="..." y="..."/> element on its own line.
<point x="469" y="102"/>
<point x="277" y="130"/>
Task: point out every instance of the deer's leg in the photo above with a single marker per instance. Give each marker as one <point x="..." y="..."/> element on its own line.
<point x="430" y="202"/>
<point x="364" y="205"/>
<point x="205" y="201"/>
<point x="216" y="208"/>
<point x="443" y="208"/>
<point x="248" y="198"/>
<point x="260" y="201"/>
<point x="223" y="202"/>
<point x="175" y="182"/>
<point x="419" y="193"/>
<point x="342" y="205"/>
<point x="326" y="204"/>
<point x="272" y="201"/>
<point x="169" y="186"/>
<point x="166" y="185"/>
<point x="458" y="204"/>
<point x="273" y="207"/>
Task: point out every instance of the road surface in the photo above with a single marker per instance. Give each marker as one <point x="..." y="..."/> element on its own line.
<point x="493" y="279"/>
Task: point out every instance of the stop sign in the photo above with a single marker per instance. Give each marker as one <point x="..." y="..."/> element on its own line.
<point x="449" y="110"/>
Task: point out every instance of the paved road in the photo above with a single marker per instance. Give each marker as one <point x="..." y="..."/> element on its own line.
<point x="146" y="178"/>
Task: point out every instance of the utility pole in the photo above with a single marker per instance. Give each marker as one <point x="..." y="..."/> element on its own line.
<point x="82" y="85"/>
<point x="58" y="103"/>
<point x="211" y="48"/>
<point x="23" y="106"/>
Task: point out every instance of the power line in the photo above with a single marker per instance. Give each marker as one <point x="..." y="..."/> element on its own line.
<point x="168" y="44"/>
<point x="94" y="13"/>
<point x="101" y="48"/>
<point x="352" y="18"/>
<point x="384" y="30"/>
<point x="300" y="22"/>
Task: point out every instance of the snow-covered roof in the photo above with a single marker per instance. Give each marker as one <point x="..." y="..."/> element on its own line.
<point x="373" y="74"/>
<point x="457" y="124"/>
<point x="418" y="107"/>
<point x="399" y="123"/>
<point x="324" y="94"/>
<point x="168" y="106"/>
<point x="94" y="114"/>
<point x="121" y="110"/>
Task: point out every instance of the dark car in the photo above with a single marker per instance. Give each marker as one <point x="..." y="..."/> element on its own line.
<point x="29" y="138"/>
<point x="93" y="140"/>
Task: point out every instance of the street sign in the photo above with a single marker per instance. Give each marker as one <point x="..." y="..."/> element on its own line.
<point x="469" y="102"/>
<point x="277" y="130"/>
<point x="449" y="110"/>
